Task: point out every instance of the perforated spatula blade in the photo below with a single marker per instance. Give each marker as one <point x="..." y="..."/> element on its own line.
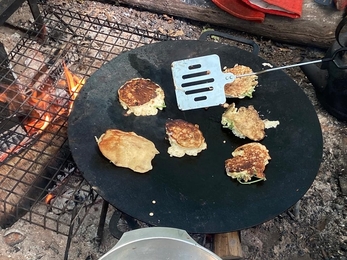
<point x="199" y="82"/>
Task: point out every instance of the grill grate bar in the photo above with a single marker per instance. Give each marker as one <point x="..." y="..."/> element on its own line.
<point x="44" y="167"/>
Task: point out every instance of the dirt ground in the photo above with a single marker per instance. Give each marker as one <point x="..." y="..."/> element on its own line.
<point x="315" y="228"/>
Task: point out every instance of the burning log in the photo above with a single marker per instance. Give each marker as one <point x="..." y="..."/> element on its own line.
<point x="13" y="96"/>
<point x="37" y="109"/>
<point x="40" y="114"/>
<point x="12" y="141"/>
<point x="6" y="75"/>
<point x="22" y="176"/>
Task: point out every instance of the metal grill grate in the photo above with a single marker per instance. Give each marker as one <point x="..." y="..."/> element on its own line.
<point x="36" y="165"/>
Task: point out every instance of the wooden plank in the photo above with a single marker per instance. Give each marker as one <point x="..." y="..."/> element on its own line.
<point x="315" y="28"/>
<point x="228" y="245"/>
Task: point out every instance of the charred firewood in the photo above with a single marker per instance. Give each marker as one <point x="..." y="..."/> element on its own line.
<point x="6" y="75"/>
<point x="25" y="177"/>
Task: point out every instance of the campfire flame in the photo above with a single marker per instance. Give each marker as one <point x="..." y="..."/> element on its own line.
<point x="38" y="108"/>
<point x="74" y="84"/>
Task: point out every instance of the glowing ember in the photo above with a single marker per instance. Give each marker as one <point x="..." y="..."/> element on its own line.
<point x="48" y="198"/>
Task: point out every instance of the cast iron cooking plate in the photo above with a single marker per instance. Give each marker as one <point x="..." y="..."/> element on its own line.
<point x="194" y="193"/>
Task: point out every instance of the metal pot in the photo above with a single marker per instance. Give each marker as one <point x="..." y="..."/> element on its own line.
<point x="158" y="243"/>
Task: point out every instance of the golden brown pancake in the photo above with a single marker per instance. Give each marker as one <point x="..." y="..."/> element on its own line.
<point x="248" y="161"/>
<point x="184" y="138"/>
<point x="244" y="122"/>
<point x="127" y="149"/>
<point x="243" y="86"/>
<point x="141" y="96"/>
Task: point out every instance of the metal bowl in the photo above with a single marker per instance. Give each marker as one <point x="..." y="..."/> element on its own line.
<point x="158" y="243"/>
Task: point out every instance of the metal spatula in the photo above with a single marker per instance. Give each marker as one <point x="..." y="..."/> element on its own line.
<point x="199" y="82"/>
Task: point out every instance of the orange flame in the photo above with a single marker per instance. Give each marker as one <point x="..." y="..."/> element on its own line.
<point x="38" y="125"/>
<point x="74" y="84"/>
<point x="38" y="108"/>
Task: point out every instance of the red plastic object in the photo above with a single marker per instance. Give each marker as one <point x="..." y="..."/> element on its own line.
<point x="292" y="9"/>
<point x="240" y="10"/>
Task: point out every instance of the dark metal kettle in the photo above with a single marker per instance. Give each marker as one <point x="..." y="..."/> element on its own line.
<point x="330" y="81"/>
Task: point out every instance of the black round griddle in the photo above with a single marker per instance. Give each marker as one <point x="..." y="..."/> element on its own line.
<point x="194" y="193"/>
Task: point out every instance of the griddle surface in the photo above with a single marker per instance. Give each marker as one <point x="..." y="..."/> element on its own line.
<point x="194" y="193"/>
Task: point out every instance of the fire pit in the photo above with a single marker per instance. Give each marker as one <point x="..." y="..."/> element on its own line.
<point x="39" y="82"/>
<point x="314" y="228"/>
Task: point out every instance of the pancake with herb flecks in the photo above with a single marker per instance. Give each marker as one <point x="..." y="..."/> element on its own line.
<point x="142" y="97"/>
<point x="184" y="138"/>
<point x="249" y="161"/>
<point x="244" y="122"/>
<point x="243" y="86"/>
